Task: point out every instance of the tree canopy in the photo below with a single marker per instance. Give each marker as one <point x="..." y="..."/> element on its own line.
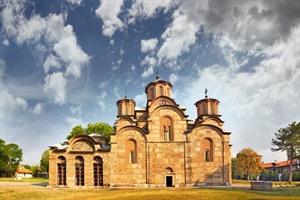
<point x="288" y="139"/>
<point x="44" y="163"/>
<point x="100" y="128"/>
<point x="248" y="163"/>
<point x="10" y="157"/>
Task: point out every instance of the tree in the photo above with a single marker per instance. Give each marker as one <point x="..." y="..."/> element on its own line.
<point x="233" y="169"/>
<point x="75" y="131"/>
<point x="248" y="162"/>
<point x="10" y="157"/>
<point x="44" y="163"/>
<point x="100" y="128"/>
<point x="288" y="139"/>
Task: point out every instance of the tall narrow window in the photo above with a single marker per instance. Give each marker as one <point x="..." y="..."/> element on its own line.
<point x="120" y="109"/>
<point x="61" y="169"/>
<point x="206" y="155"/>
<point x="160" y="90"/>
<point x="203" y="109"/>
<point x="126" y="109"/>
<point x="79" y="171"/>
<point x="132" y="151"/>
<point x="168" y="92"/>
<point x="212" y="110"/>
<point x="132" y="158"/>
<point x="207" y="149"/>
<point x="98" y="171"/>
<point x="152" y="94"/>
<point x="166" y="129"/>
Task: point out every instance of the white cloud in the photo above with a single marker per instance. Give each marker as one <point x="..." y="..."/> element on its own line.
<point x="55" y="87"/>
<point x="117" y="93"/>
<point x="51" y="62"/>
<point x="16" y="25"/>
<point x="148" y="45"/>
<point x="2" y="68"/>
<point x="75" y="2"/>
<point x="244" y="24"/>
<point x="258" y="102"/>
<point x="103" y="85"/>
<point x="11" y="105"/>
<point x="6" y="42"/>
<point x="140" y="100"/>
<point x="108" y="11"/>
<point x="112" y="42"/>
<point x="59" y="38"/>
<point x="74" y="121"/>
<point x="181" y="33"/>
<point x="173" y="78"/>
<point x="76" y="110"/>
<point x="132" y="68"/>
<point x="39" y="108"/>
<point x="69" y="51"/>
<point x="148" y="72"/>
<point x="101" y="100"/>
<point x="147" y="9"/>
<point x="150" y="61"/>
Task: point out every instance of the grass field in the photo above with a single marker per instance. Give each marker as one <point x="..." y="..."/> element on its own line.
<point x="37" y="190"/>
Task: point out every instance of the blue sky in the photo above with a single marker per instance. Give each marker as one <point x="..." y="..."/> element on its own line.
<point x="64" y="63"/>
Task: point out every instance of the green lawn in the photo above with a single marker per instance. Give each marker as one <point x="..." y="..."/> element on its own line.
<point x="31" y="189"/>
<point x="31" y="180"/>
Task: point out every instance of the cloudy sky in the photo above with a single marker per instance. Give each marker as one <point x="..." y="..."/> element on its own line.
<point x="67" y="62"/>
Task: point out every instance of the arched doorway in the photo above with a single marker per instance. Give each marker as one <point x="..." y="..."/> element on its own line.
<point x="169" y="177"/>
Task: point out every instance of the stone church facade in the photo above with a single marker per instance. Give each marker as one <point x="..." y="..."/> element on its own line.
<point x="152" y="146"/>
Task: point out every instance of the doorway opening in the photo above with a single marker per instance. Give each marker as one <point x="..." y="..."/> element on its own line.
<point x="169" y="181"/>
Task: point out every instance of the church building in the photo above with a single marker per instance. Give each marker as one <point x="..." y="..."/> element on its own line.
<point x="153" y="146"/>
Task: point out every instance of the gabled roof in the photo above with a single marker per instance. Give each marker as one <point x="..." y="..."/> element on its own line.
<point x="21" y="169"/>
<point x="277" y="164"/>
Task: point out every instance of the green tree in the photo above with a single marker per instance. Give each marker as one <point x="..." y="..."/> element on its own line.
<point x="248" y="163"/>
<point x="233" y="169"/>
<point x="10" y="157"/>
<point x="100" y="128"/>
<point x="44" y="162"/>
<point x="75" y="131"/>
<point x="288" y="139"/>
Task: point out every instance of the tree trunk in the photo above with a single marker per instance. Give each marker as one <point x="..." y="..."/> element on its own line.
<point x="248" y="177"/>
<point x="291" y="172"/>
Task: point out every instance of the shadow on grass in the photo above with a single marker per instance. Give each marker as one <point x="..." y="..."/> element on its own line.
<point x="44" y="184"/>
<point x="278" y="191"/>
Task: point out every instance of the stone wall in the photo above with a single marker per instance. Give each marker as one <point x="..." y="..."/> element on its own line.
<point x="261" y="185"/>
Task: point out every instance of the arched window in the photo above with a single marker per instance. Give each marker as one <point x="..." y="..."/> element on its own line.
<point x="166" y="129"/>
<point x="161" y="91"/>
<point x="98" y="171"/>
<point x="61" y="169"/>
<point x="203" y="109"/>
<point x="212" y="110"/>
<point x="79" y="170"/>
<point x="168" y="92"/>
<point x="206" y="156"/>
<point x="207" y="150"/>
<point x="126" y="109"/>
<point x="152" y="96"/>
<point x="132" y="151"/>
<point x="120" y="109"/>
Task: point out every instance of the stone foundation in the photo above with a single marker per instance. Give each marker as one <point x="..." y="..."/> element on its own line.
<point x="261" y="185"/>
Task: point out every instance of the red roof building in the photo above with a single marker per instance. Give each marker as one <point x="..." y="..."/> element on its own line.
<point x="281" y="166"/>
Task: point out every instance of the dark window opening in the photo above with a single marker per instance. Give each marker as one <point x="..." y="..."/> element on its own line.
<point x="61" y="173"/>
<point x="169" y="181"/>
<point x="79" y="171"/>
<point x="98" y="171"/>
<point x="61" y="169"/>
